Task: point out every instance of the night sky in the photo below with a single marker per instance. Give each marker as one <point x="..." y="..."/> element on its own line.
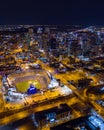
<point x="79" y="12"/>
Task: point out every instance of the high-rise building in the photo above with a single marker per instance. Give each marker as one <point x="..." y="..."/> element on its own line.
<point x="75" y="48"/>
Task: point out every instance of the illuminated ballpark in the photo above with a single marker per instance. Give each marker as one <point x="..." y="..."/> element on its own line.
<point x="23" y="80"/>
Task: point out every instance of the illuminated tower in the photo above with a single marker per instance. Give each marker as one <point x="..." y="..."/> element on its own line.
<point x="29" y="36"/>
<point x="30" y="32"/>
<point x="45" y="40"/>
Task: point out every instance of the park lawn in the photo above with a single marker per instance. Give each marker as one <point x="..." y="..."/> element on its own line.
<point x="23" y="86"/>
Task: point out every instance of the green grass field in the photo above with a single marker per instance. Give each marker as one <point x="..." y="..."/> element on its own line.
<point x="23" y="86"/>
